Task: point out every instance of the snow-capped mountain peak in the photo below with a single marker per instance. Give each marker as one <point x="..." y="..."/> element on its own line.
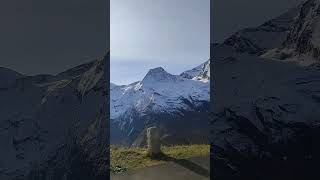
<point x="201" y="72"/>
<point x="158" y="75"/>
<point x="159" y="91"/>
<point x="159" y="97"/>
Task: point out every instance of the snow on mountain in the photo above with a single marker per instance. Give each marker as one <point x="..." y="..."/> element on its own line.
<point x="159" y="92"/>
<point x="158" y="75"/>
<point x="50" y="124"/>
<point x="201" y="72"/>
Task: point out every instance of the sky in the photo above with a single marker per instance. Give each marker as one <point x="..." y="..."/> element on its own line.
<point x="47" y="37"/>
<point x="230" y="16"/>
<point x="50" y="36"/>
<point x="173" y="34"/>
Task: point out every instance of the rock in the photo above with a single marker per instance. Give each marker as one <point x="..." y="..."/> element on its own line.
<point x="302" y="41"/>
<point x="153" y="139"/>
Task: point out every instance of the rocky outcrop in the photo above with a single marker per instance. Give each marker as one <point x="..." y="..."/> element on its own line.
<point x="302" y="43"/>
<point x="265" y="122"/>
<point x="269" y="35"/>
<point x="154" y="145"/>
<point x="304" y="36"/>
<point x="55" y="127"/>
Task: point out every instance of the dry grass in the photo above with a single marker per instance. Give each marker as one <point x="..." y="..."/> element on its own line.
<point x="124" y="159"/>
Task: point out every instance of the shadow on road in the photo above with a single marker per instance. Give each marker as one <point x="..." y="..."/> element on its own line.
<point x="187" y="164"/>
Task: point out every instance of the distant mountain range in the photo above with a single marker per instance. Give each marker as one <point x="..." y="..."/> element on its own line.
<point x="172" y="102"/>
<point x="294" y="35"/>
<point x="53" y="126"/>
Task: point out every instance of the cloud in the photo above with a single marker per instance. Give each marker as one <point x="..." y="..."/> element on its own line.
<point x="162" y="31"/>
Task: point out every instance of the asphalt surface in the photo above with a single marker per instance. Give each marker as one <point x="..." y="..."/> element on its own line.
<point x="191" y="169"/>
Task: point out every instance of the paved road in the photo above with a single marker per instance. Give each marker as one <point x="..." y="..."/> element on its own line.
<point x="191" y="169"/>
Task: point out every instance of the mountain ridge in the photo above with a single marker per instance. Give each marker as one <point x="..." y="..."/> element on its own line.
<point x="45" y="116"/>
<point x="265" y="120"/>
<point x="159" y="92"/>
<point x="302" y="42"/>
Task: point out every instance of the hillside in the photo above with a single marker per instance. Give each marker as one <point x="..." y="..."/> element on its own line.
<point x="266" y="118"/>
<point x="164" y="100"/>
<point x="129" y="159"/>
<point x="50" y="123"/>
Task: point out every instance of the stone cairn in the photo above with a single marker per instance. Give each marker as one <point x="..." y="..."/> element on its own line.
<point x="153" y="140"/>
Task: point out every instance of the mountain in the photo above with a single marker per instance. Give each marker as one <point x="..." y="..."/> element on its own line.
<point x="265" y="121"/>
<point x="56" y="126"/>
<point x="269" y="35"/>
<point x="165" y="100"/>
<point x="302" y="43"/>
<point x="201" y="72"/>
<point x="53" y="127"/>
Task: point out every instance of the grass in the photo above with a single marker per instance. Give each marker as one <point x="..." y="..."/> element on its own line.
<point x="125" y="159"/>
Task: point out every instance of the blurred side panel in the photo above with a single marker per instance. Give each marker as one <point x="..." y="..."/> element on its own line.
<point x="265" y="89"/>
<point x="54" y="90"/>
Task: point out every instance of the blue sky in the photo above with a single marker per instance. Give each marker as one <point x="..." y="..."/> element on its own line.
<point x="145" y="34"/>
